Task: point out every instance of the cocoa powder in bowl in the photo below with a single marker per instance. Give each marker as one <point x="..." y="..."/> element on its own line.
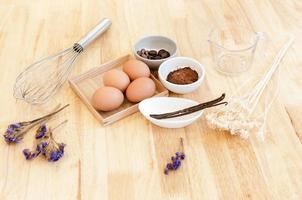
<point x="182" y="76"/>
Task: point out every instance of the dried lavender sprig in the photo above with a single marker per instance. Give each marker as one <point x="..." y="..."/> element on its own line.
<point x="48" y="147"/>
<point x="176" y="160"/>
<point x="33" y="154"/>
<point x="41" y="131"/>
<point x="16" y="131"/>
<point x="54" y="150"/>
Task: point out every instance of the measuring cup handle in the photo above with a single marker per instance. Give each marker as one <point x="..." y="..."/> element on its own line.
<point x="98" y="30"/>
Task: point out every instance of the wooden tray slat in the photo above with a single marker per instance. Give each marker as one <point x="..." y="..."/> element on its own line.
<point x="85" y="84"/>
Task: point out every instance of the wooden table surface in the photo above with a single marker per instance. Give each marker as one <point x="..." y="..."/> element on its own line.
<point x="126" y="159"/>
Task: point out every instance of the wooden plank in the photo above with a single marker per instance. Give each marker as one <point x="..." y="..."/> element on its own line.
<point x="125" y="160"/>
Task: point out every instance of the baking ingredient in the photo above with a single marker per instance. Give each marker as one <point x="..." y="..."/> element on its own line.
<point x="116" y="78"/>
<point x="140" y="89"/>
<point x="16" y="131"/>
<point x="237" y="117"/>
<point x="107" y="98"/>
<point x="136" y="69"/>
<point x="176" y="160"/>
<point x="183" y="76"/>
<point x="192" y="109"/>
<point x="46" y="146"/>
<point x="153" y="54"/>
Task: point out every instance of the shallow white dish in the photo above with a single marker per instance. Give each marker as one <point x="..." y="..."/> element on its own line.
<point x="159" y="105"/>
<point x="155" y="42"/>
<point x="179" y="62"/>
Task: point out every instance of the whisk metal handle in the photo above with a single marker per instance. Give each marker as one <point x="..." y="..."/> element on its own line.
<point x="100" y="28"/>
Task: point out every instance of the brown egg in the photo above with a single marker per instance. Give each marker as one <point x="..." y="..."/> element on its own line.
<point x="140" y="89"/>
<point x="107" y="98"/>
<point x="136" y="69"/>
<point x="116" y="78"/>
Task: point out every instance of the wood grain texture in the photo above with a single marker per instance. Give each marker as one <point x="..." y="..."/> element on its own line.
<point x="125" y="160"/>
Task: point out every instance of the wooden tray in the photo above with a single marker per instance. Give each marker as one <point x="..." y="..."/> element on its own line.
<point x="84" y="86"/>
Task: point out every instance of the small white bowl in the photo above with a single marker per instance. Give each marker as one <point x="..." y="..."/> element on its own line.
<point x="159" y="105"/>
<point x="176" y="63"/>
<point x="157" y="43"/>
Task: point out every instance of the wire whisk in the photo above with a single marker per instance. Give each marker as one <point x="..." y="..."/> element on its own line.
<point x="43" y="79"/>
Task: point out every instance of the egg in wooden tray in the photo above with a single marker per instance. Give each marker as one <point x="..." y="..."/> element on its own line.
<point x="110" y="95"/>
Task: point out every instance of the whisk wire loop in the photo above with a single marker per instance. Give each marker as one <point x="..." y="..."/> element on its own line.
<point x="41" y="80"/>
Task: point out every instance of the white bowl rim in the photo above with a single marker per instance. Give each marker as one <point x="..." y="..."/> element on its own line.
<point x="176" y="120"/>
<point x="200" y="79"/>
<point x="172" y="55"/>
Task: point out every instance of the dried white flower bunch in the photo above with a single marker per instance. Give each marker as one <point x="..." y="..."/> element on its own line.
<point x="234" y="118"/>
<point x="237" y="117"/>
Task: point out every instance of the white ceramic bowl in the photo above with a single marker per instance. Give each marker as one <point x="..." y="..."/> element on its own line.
<point x="158" y="105"/>
<point x="155" y="42"/>
<point x="179" y="62"/>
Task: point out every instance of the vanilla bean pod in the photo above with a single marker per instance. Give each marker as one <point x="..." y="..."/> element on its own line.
<point x="192" y="109"/>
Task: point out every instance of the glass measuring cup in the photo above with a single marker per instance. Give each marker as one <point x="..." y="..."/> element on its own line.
<point x="233" y="48"/>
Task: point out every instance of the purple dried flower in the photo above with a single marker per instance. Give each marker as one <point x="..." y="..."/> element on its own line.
<point x="33" y="154"/>
<point x="56" y="154"/>
<point x="173" y="158"/>
<point x="41" y="146"/>
<point x="50" y="148"/>
<point x="169" y="166"/>
<point x="176" y="160"/>
<point x="176" y="164"/>
<point x="47" y="146"/>
<point x="26" y="153"/>
<point x="30" y="154"/>
<point x="41" y="131"/>
<point x="15" y="132"/>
